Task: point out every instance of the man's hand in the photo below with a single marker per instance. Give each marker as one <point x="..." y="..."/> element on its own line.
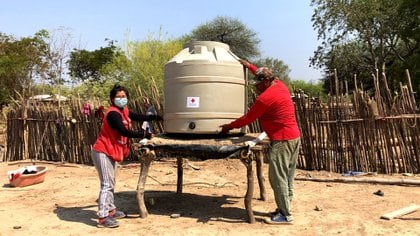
<point x="225" y="129"/>
<point x="251" y="143"/>
<point x="244" y="62"/>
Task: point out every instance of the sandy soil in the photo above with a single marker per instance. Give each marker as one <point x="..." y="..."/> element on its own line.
<point x="211" y="203"/>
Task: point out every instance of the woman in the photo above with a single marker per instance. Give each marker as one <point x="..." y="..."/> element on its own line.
<point x="112" y="146"/>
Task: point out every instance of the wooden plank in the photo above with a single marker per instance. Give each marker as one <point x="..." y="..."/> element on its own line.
<point x="165" y="139"/>
<point x="363" y="180"/>
<point x="401" y="212"/>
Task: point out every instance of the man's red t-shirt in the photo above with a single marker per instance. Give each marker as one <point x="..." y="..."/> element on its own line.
<point x="276" y="112"/>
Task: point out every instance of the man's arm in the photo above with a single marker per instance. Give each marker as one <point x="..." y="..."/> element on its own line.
<point x="248" y="65"/>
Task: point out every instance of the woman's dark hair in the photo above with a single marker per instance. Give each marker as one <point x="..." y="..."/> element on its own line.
<point x="116" y="89"/>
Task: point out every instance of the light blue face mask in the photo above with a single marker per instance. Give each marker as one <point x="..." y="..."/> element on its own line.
<point x="120" y="102"/>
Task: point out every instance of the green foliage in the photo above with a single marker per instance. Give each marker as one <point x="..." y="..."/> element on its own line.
<point x="139" y="66"/>
<point x="352" y="62"/>
<point x="116" y="70"/>
<point x="410" y="35"/>
<point x="340" y="21"/>
<point x="43" y="89"/>
<point x="21" y="62"/>
<point x="98" y="71"/>
<point x="362" y="35"/>
<point x="92" y="90"/>
<point x="242" y="40"/>
<point x="278" y="67"/>
<point x="147" y="60"/>
<point x="87" y="65"/>
<point x="309" y="88"/>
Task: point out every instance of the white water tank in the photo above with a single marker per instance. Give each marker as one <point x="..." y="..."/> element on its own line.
<point x="204" y="87"/>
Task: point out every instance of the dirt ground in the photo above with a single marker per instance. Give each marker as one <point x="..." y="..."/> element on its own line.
<point x="211" y="203"/>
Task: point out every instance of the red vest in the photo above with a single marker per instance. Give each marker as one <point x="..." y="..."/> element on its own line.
<point x="110" y="141"/>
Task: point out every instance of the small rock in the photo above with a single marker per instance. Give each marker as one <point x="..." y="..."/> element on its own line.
<point x="317" y="208"/>
<point x="17" y="227"/>
<point x="379" y="193"/>
<point x="175" y="215"/>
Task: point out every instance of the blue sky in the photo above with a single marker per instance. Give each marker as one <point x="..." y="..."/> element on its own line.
<point x="284" y="26"/>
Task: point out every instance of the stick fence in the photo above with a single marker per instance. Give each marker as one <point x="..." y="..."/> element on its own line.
<point x="349" y="132"/>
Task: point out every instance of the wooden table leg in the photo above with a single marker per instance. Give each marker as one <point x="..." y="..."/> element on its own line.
<point x="145" y="160"/>
<point x="180" y="174"/>
<point x="260" y="176"/>
<point x="250" y="189"/>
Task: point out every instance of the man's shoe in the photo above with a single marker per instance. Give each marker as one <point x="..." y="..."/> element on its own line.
<point x="116" y="214"/>
<point x="107" y="222"/>
<point x="273" y="213"/>
<point x="277" y="219"/>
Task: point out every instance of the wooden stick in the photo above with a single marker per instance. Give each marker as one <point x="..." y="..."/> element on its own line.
<point x="145" y="161"/>
<point x="180" y="174"/>
<point x="410" y="87"/>
<point x="250" y="189"/>
<point x="363" y="180"/>
<point x="260" y="176"/>
<point x="401" y="212"/>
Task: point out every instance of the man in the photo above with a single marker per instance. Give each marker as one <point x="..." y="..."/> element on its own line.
<point x="275" y="110"/>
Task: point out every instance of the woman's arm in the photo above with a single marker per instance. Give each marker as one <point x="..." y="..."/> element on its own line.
<point x="115" y="122"/>
<point x="141" y="117"/>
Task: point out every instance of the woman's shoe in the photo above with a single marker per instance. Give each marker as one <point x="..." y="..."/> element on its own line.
<point x="117" y="214"/>
<point x="107" y="222"/>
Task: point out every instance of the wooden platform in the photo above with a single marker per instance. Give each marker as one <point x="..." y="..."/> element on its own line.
<point x="203" y="148"/>
<point x="202" y="139"/>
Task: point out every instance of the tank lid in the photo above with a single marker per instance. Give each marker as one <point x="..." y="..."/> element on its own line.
<point x="209" y="44"/>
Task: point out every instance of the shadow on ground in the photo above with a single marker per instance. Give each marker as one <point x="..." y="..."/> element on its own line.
<point x="79" y="214"/>
<point x="164" y="203"/>
<point x="201" y="207"/>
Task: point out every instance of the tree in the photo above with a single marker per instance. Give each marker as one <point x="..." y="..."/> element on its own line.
<point x="58" y="41"/>
<point x="95" y="72"/>
<point x="147" y="60"/>
<point x="410" y="34"/>
<point x="21" y="63"/>
<point x="140" y="65"/>
<point x="375" y="24"/>
<point x="308" y="88"/>
<point x="351" y="62"/>
<point x="277" y="66"/>
<point x="242" y="40"/>
<point x="86" y="65"/>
